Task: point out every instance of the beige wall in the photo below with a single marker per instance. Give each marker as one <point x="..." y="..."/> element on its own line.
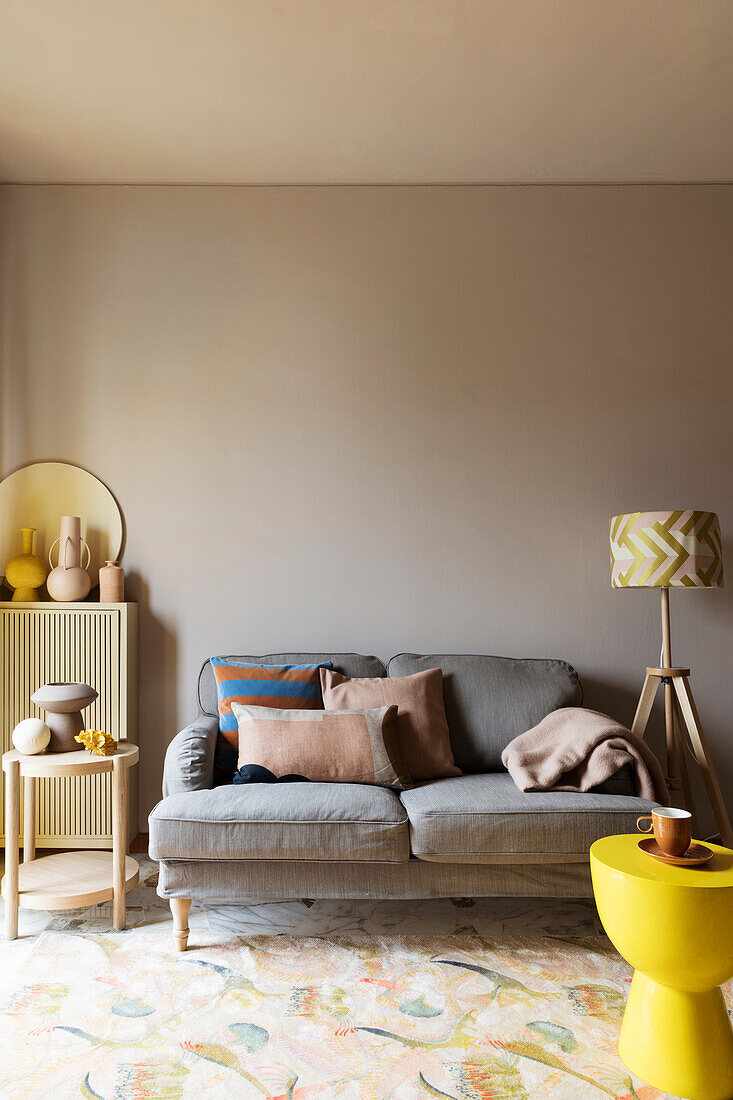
<point x="383" y="419"/>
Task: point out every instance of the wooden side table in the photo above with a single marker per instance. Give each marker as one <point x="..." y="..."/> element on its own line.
<point x="65" y="880"/>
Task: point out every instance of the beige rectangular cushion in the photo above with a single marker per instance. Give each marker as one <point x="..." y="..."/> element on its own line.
<point x="352" y="746"/>
<point x="422" y="727"/>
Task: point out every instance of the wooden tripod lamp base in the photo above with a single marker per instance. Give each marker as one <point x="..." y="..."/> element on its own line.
<point x="679" y="708"/>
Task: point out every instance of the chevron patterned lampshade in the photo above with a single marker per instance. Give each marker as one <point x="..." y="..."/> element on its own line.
<point x="666" y="550"/>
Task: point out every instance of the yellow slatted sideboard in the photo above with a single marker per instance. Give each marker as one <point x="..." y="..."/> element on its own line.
<point x="93" y="643"/>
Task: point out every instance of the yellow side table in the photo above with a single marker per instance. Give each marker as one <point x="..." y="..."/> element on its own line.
<point x="674" y="925"/>
<point x="66" y="880"/>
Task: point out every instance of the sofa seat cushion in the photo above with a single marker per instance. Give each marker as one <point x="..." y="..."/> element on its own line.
<point x="282" y="821"/>
<point x="486" y="819"/>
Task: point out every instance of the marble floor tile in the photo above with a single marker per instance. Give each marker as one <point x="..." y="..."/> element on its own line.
<point x="379" y="918"/>
<point x="533" y="916"/>
<point x="486" y="916"/>
<point x="268" y="918"/>
<point x="31" y="922"/>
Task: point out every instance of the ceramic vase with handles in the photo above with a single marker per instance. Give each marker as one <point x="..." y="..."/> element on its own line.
<point x="26" y="573"/>
<point x="69" y="581"/>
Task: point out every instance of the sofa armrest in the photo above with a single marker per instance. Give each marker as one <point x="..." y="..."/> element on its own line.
<point x="189" y="759"/>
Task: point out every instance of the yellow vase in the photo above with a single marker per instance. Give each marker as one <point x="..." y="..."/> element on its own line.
<point x="25" y="572"/>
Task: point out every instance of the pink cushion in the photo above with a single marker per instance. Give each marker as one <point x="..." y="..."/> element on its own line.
<point x="422" y="727"/>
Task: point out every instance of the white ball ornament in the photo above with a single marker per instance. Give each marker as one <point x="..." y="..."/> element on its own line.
<point x="31" y="736"/>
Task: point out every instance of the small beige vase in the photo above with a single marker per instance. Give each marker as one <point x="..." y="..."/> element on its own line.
<point x="68" y="581"/>
<point x="111" y="583"/>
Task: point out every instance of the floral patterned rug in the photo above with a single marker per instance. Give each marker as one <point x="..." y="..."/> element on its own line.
<point x="123" y="1017"/>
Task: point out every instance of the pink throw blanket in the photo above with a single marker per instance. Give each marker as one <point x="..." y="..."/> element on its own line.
<point x="574" y="749"/>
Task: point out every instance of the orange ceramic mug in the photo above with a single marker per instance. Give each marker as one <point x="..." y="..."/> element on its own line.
<point x="672" y="829"/>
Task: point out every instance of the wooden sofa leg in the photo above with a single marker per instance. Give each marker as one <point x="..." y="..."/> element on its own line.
<point x="179" y="909"/>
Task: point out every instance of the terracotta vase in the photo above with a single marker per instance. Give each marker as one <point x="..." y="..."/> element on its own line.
<point x="111" y="583"/>
<point x="64" y="703"/>
<point x="69" y="581"/>
<point x="25" y="572"/>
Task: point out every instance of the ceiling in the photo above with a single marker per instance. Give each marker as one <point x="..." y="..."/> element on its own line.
<point x="366" y="91"/>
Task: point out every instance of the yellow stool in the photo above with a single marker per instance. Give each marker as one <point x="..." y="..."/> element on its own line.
<point x="674" y="925"/>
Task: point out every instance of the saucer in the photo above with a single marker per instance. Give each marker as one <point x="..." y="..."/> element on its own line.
<point x="693" y="857"/>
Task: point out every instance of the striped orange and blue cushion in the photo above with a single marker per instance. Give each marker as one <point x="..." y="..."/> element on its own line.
<point x="284" y="686"/>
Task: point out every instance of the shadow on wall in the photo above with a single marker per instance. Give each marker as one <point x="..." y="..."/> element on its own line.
<point x="158" y="680"/>
<point x="13" y="356"/>
<point x="620" y="703"/>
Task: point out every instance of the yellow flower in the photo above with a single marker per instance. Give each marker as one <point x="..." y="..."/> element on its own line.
<point x="97" y="741"/>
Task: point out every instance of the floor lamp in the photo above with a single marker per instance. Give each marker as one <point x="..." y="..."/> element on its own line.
<point x="673" y="550"/>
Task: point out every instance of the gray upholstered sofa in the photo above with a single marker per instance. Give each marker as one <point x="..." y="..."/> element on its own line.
<point x="474" y="835"/>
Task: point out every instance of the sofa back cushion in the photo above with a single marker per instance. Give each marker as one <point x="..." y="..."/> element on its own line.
<point x="351" y="664"/>
<point x="491" y="700"/>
